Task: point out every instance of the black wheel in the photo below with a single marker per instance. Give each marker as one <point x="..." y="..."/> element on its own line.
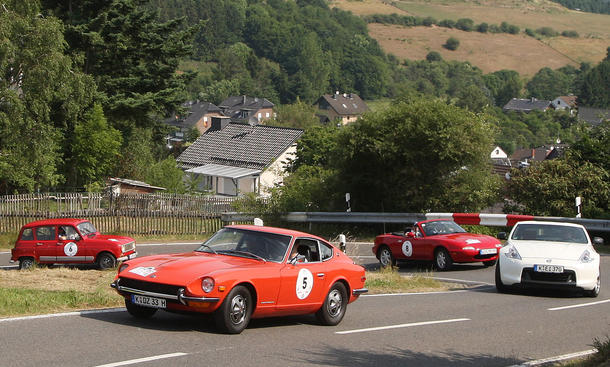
<point x="234" y="313"/>
<point x="385" y="257"/>
<point x="489" y="263"/>
<point x="138" y="311"/>
<point x="442" y="259"/>
<point x="106" y="261"/>
<point x="26" y="263"/>
<point x="332" y="311"/>
<point x="595" y="291"/>
<point x="500" y="287"/>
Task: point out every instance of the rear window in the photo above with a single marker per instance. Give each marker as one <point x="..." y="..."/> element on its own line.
<point x="46" y="233"/>
<point x="27" y="235"/>
<point x="545" y="232"/>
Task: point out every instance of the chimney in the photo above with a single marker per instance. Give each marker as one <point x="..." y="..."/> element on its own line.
<point x="244" y="100"/>
<point x="219" y="123"/>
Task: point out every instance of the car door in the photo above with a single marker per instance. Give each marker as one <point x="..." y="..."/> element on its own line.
<point x="70" y="247"/>
<point x="303" y="285"/>
<point x="46" y="244"/>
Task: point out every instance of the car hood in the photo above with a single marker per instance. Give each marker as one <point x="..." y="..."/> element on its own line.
<point x="469" y="239"/>
<point x="181" y="268"/>
<point x="116" y="239"/>
<point x="550" y="250"/>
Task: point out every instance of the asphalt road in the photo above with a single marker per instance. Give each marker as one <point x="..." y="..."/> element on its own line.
<point x="473" y="327"/>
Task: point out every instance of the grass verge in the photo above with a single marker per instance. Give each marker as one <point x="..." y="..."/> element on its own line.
<point x="41" y="291"/>
<point x="600" y="359"/>
<point x="389" y="280"/>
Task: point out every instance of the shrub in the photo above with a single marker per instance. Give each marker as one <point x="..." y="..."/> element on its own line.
<point x="530" y="32"/>
<point x="429" y="21"/>
<point x="452" y="44"/>
<point x="571" y="34"/>
<point x="483" y="27"/>
<point x="447" y="23"/>
<point x="547" y="32"/>
<point x="434" y="56"/>
<point x="465" y="24"/>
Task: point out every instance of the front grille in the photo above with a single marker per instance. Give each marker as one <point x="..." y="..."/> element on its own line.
<point x="568" y="277"/>
<point x="149" y="286"/>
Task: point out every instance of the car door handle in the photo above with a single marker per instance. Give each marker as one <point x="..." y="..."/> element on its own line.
<point x="320" y="275"/>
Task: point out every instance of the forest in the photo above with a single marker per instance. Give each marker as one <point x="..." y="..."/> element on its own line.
<point x="85" y="87"/>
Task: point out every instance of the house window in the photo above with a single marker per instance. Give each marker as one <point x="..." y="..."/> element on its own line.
<point x="267" y="115"/>
<point x="205" y="118"/>
<point x="260" y="115"/>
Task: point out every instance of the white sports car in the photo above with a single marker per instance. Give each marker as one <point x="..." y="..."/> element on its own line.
<point x="549" y="254"/>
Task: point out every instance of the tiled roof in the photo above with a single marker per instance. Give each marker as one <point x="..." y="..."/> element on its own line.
<point x="233" y="106"/>
<point x="526" y="105"/>
<point x="594" y="116"/>
<point x="569" y="100"/>
<point x="346" y="104"/>
<point x="240" y="145"/>
<point x="133" y="183"/>
<point x="196" y="110"/>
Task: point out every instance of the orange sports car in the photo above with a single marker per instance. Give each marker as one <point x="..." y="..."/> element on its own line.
<point x="244" y="272"/>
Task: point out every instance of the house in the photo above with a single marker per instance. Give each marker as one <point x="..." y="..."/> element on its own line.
<point x="232" y="158"/>
<point x="564" y="103"/>
<point x="593" y="116"/>
<point x="525" y="157"/>
<point x="526" y="105"/>
<point x="247" y="109"/>
<point x="347" y="107"/>
<point x="198" y="115"/>
<point x="500" y="161"/>
<point x="126" y="186"/>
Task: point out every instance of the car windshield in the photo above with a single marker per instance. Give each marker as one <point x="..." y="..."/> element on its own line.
<point x="245" y="243"/>
<point x="86" y="228"/>
<point x="546" y="232"/>
<point x="441" y="227"/>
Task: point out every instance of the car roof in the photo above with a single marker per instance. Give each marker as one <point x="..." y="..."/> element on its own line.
<point x="564" y="224"/>
<point x="276" y="230"/>
<point x="55" y="221"/>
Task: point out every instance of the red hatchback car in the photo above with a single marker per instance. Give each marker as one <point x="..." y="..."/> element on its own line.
<point x="69" y="241"/>
<point x="442" y="241"/>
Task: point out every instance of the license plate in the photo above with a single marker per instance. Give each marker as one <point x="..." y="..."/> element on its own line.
<point x="148" y="301"/>
<point x="488" y="251"/>
<point x="548" y="268"/>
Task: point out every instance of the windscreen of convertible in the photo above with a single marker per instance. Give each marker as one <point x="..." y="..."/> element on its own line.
<point x="243" y="243"/>
<point x="545" y="232"/>
<point x="441" y="227"/>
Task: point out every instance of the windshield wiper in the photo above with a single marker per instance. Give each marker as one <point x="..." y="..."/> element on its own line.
<point x="246" y="253"/>
<point x="211" y="249"/>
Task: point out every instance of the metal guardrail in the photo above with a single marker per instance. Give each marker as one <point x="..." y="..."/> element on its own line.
<point x="595" y="225"/>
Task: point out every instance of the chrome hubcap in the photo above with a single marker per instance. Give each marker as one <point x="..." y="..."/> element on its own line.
<point x="440" y="259"/>
<point x="238" y="309"/>
<point x="384" y="257"/>
<point x="334" y="303"/>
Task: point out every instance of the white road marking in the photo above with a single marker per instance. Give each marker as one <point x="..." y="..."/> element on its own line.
<point x="63" y="314"/>
<point x="141" y="360"/>
<point x="5" y="252"/>
<point x="411" y="294"/>
<point x="400" y="326"/>
<point x="556" y="359"/>
<point x="579" y="305"/>
<point x="168" y="244"/>
<point x="462" y="281"/>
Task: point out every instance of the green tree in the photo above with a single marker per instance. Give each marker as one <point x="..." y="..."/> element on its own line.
<point x="452" y="44"/>
<point x="433" y="56"/>
<point x="595" y="87"/>
<point x="503" y="85"/>
<point x="95" y="148"/>
<point x="167" y="174"/>
<point x="548" y="84"/>
<point x="299" y="115"/>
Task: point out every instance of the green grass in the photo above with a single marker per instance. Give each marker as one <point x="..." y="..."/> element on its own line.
<point x="600" y="359"/>
<point x="389" y="280"/>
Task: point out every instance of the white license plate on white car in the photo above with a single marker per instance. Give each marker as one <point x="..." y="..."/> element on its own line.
<point x="488" y="251"/>
<point x="548" y="268"/>
<point x="148" y="301"/>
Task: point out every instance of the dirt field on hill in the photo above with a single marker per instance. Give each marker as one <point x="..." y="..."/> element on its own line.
<point x="486" y="51"/>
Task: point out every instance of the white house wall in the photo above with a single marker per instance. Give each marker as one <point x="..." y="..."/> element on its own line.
<point x="274" y="175"/>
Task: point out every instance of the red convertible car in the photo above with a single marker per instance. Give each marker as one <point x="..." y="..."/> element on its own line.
<point x="442" y="241"/>
<point x="243" y="272"/>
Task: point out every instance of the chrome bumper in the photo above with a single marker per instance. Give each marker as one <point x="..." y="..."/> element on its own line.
<point x="180" y="297"/>
<point x="357" y="292"/>
<point x="129" y="257"/>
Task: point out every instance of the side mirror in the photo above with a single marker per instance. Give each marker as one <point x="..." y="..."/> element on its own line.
<point x="410" y="234"/>
<point x="598" y="241"/>
<point x="297" y="259"/>
<point x="502" y="236"/>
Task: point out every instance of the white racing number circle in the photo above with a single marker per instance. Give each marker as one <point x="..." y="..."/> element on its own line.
<point x="407" y="248"/>
<point x="304" y="283"/>
<point x="70" y="249"/>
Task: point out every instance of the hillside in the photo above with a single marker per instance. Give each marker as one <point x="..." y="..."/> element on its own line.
<point x="491" y="51"/>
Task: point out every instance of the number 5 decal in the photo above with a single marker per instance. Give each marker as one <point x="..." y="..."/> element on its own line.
<point x="304" y="283"/>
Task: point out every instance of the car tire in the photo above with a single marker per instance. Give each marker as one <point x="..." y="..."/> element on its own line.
<point x="489" y="263"/>
<point x="233" y="315"/>
<point x="138" y="311"/>
<point x="332" y="311"/>
<point x="385" y="257"/>
<point x="442" y="259"/>
<point x="500" y="287"/>
<point x="595" y="291"/>
<point x="106" y="261"/>
<point x="26" y="263"/>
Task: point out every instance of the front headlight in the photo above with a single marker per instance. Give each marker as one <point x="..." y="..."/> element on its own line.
<point x="468" y="248"/>
<point x="123" y="267"/>
<point x="586" y="257"/>
<point x="207" y="284"/>
<point x="512" y="253"/>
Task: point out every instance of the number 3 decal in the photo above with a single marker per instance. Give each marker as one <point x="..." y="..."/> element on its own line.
<point x="304" y="283"/>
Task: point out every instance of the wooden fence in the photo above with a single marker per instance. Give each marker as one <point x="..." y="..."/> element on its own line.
<point x="140" y="214"/>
